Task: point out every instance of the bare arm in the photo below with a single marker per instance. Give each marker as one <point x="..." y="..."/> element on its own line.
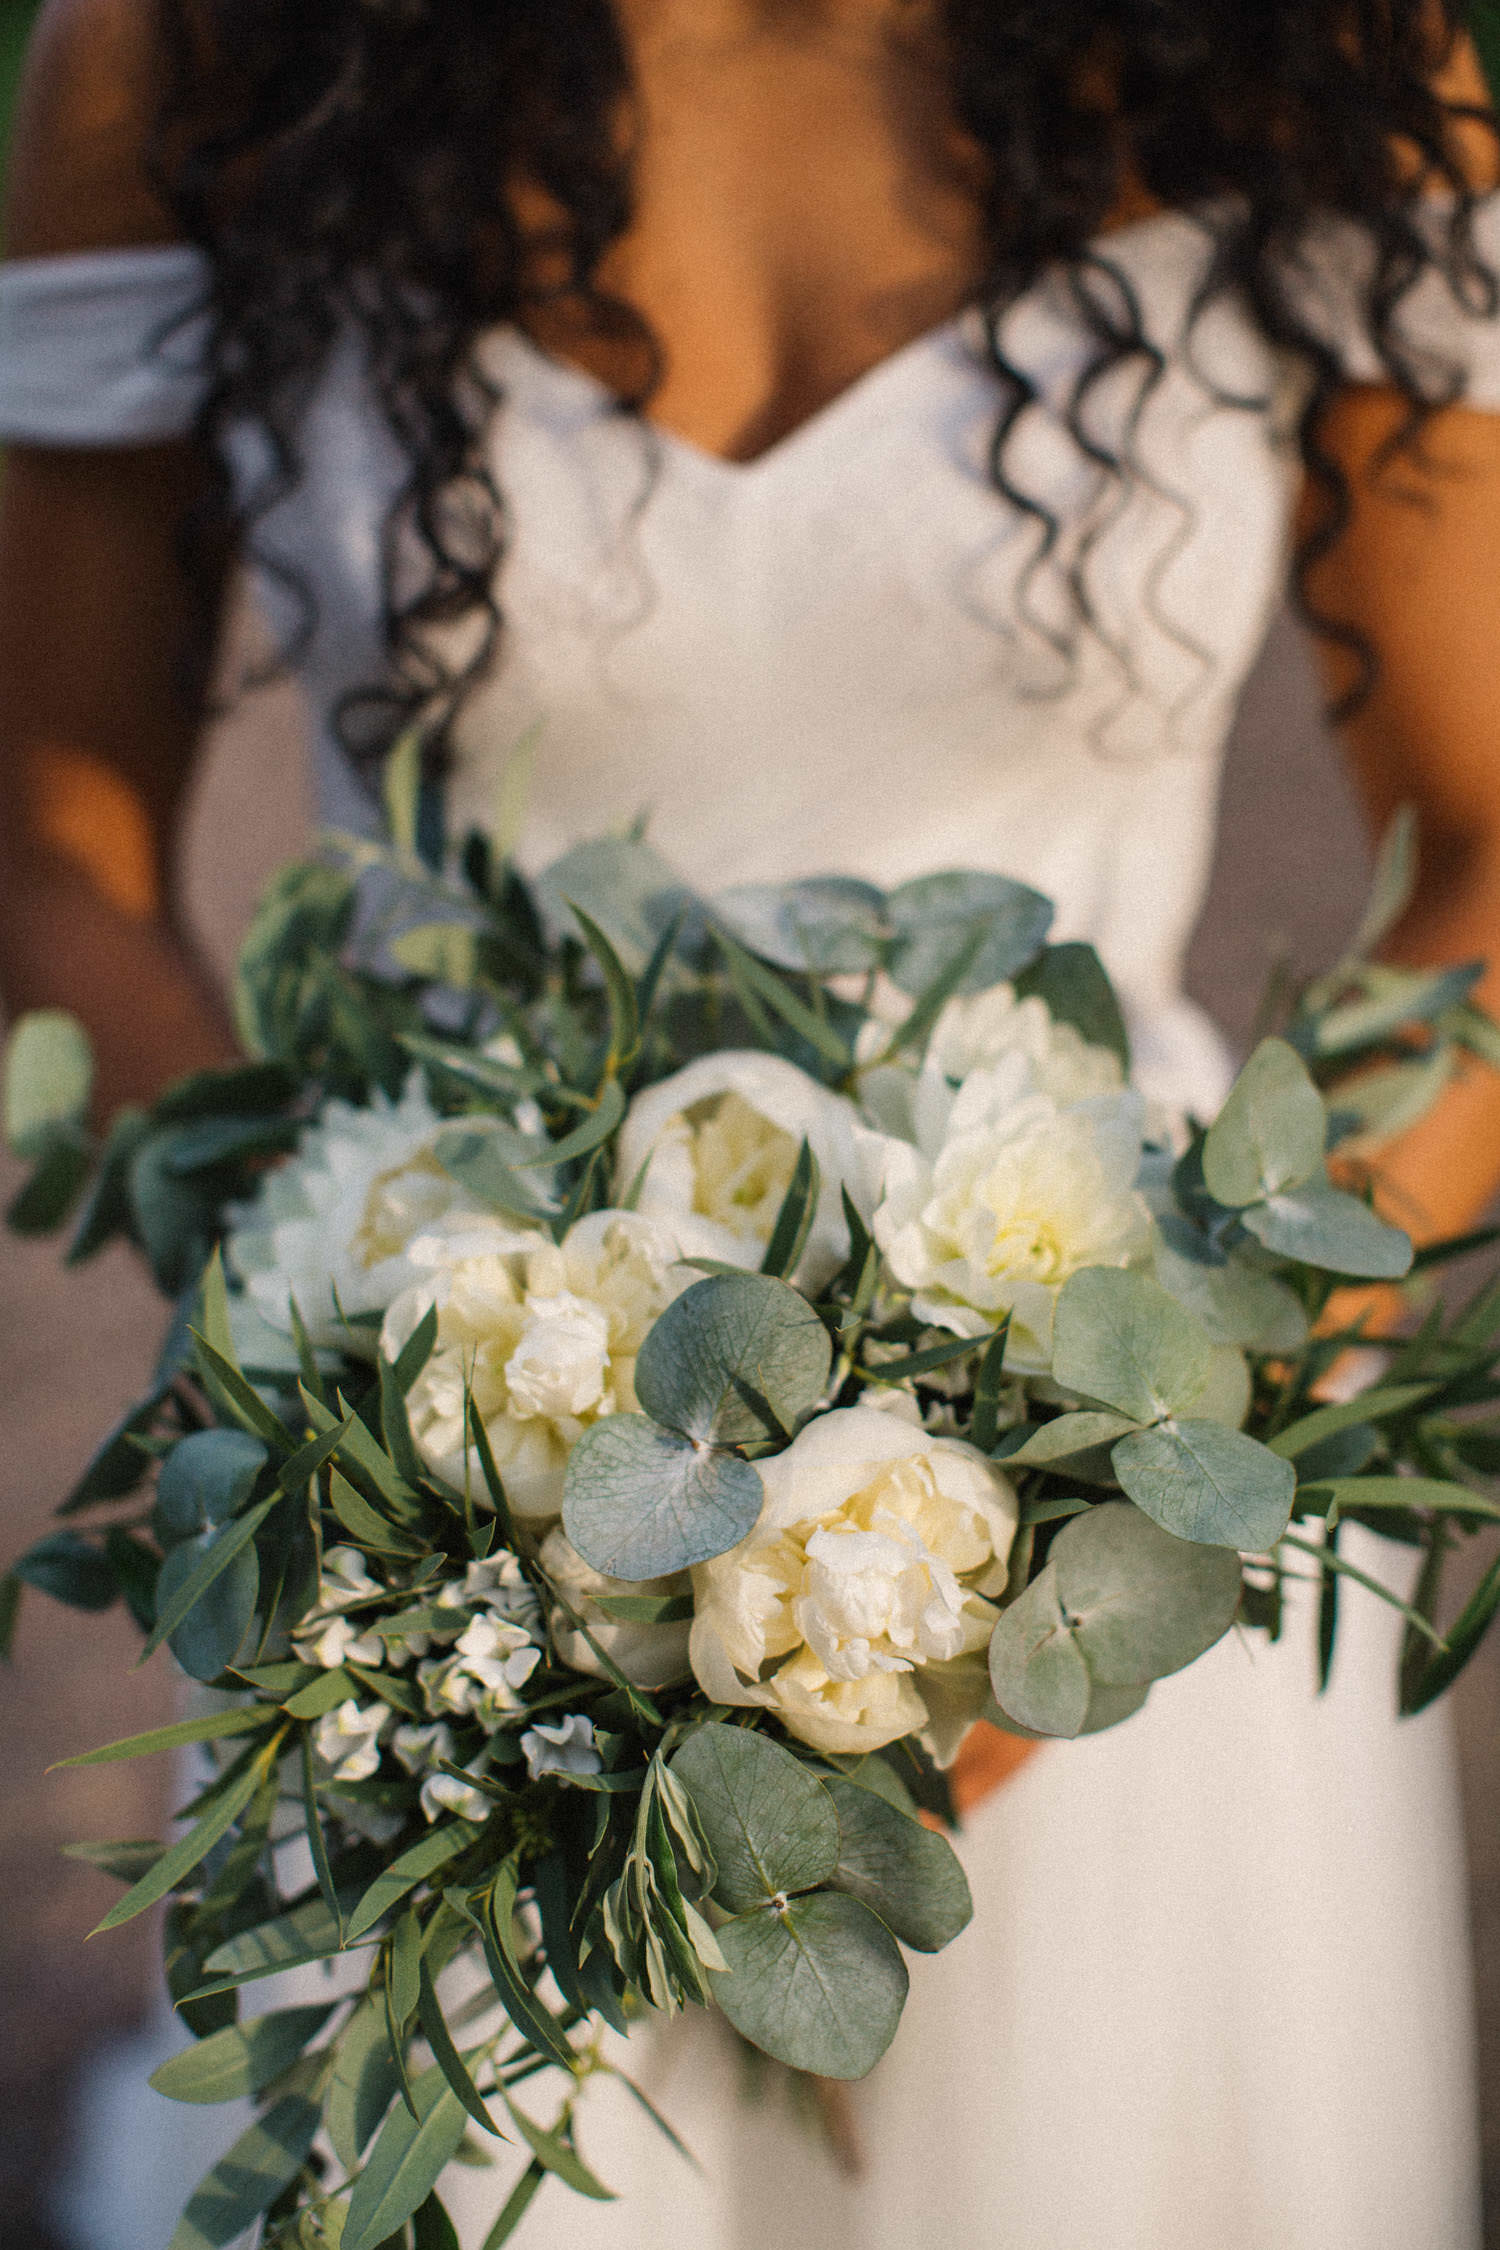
<point x="1419" y="575"/>
<point x="98" y="720"/>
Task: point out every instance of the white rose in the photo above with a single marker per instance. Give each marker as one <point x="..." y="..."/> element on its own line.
<point x="544" y="1336"/>
<point x="1005" y="1196"/>
<point x="650" y="1656"/>
<point x="714" y="1149"/>
<point x="561" y="1746"/>
<point x="859" y="1608"/>
<point x="332" y="1226"/>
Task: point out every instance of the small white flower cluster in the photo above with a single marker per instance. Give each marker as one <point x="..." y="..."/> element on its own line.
<point x="473" y="1673"/>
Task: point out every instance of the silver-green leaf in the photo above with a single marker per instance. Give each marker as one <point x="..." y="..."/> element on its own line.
<point x="819" y="1984"/>
<point x="902" y="1871"/>
<point x="1204" y="1482"/>
<point x="643" y="1502"/>
<point x="1121" y="1339"/>
<point x="734" y="1359"/>
<point x="1271" y="1132"/>
<point x="771" y="1825"/>
<point x="1140" y="1603"/>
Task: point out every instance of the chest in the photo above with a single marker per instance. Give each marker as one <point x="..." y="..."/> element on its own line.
<point x="803" y="205"/>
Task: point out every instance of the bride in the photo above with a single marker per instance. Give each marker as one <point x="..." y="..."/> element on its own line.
<point x="857" y="433"/>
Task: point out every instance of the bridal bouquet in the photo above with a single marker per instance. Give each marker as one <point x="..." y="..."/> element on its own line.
<point x="650" y="1372"/>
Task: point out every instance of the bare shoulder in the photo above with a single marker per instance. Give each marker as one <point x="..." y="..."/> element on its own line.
<point x="79" y="171"/>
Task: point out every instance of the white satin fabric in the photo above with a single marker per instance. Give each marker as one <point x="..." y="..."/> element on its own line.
<point x="1216" y="1992"/>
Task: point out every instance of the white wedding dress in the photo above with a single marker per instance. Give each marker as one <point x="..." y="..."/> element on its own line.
<point x="1215" y="1995"/>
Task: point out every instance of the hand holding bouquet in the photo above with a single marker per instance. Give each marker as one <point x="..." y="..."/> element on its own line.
<point x="649" y="1375"/>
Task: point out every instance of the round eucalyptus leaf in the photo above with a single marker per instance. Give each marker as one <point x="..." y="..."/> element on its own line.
<point x="1203" y="1482"/>
<point x="770" y="1823"/>
<point x="1235" y="1302"/>
<point x="49" y="1077"/>
<point x="1140" y="1603"/>
<point x="1323" y="1227"/>
<point x="820" y="1985"/>
<point x="623" y="885"/>
<point x="1112" y="1706"/>
<point x="735" y="1360"/>
<point x="1271" y="1132"/>
<point x="937" y="920"/>
<point x="829" y="925"/>
<point x="902" y="1871"/>
<point x="1037" y="1669"/>
<point x="642" y="1502"/>
<point x="1227" y="1394"/>
<point x="1121" y="1339"/>
<point x="210" y="1635"/>
<point x="205" y="1479"/>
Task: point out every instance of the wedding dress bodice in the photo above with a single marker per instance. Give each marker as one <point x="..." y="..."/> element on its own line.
<point x="848" y="652"/>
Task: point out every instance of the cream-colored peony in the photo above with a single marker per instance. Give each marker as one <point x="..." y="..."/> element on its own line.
<point x="332" y="1227"/>
<point x="1006" y="1194"/>
<point x="543" y="1335"/>
<point x="650" y="1656"/>
<point x="710" y="1153"/>
<point x="860" y="1607"/>
<point x="976" y="1034"/>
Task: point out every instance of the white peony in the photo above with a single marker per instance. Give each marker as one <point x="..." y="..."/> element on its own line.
<point x="1005" y="1195"/>
<point x="331" y="1228"/>
<point x="543" y="1335"/>
<point x="859" y="1608"/>
<point x="976" y="1034"/>
<point x="650" y="1656"/>
<point x="710" y="1153"/>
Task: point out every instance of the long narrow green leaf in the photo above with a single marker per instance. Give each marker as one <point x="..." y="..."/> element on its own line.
<point x="447" y="2057"/>
<point x="985" y="1428"/>
<point x="245" y="1405"/>
<point x="182" y="1857"/>
<point x="415" y="1865"/>
<point x="778" y="996"/>
<point x="216" y="1560"/>
<point x="1329" y="1560"/>
<point x="1463" y="1639"/>
<point x="534" y="2022"/>
<point x="261" y="2163"/>
<point x="1327" y="1421"/>
<point x="557" y="2155"/>
<point x="1399" y="1493"/>
<point x="517" y="2204"/>
<point x="624" y="1013"/>
<point x="794" y="1220"/>
<point x="917" y="1364"/>
<point x="316" y="1841"/>
<point x="242" y="2058"/>
<point x="594" y="1131"/>
<point x="408" y="2159"/>
<point x="212" y="1728"/>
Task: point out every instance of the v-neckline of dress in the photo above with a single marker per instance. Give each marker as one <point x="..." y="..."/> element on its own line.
<point x="846" y="408"/>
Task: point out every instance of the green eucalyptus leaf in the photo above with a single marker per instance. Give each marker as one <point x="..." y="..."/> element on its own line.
<point x="725" y="1350"/>
<point x="628" y="889"/>
<point x="1234" y="1301"/>
<point x="49" y="1078"/>
<point x="205" y="1479"/>
<point x="1320" y="1226"/>
<point x="1140" y="1603"/>
<point x="1073" y="982"/>
<point x="902" y="1871"/>
<point x="240" y="2059"/>
<point x="770" y="1823"/>
<point x="1062" y="1440"/>
<point x="1201" y="1481"/>
<point x="206" y="1594"/>
<point x="1037" y="1669"/>
<point x="642" y="1502"/>
<point x="937" y="918"/>
<point x="1121" y="1339"/>
<point x="819" y="1985"/>
<point x="70" y="1568"/>
<point x="827" y="925"/>
<point x="1271" y="1133"/>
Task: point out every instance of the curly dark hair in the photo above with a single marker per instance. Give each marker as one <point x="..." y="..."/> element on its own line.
<point x="347" y="162"/>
